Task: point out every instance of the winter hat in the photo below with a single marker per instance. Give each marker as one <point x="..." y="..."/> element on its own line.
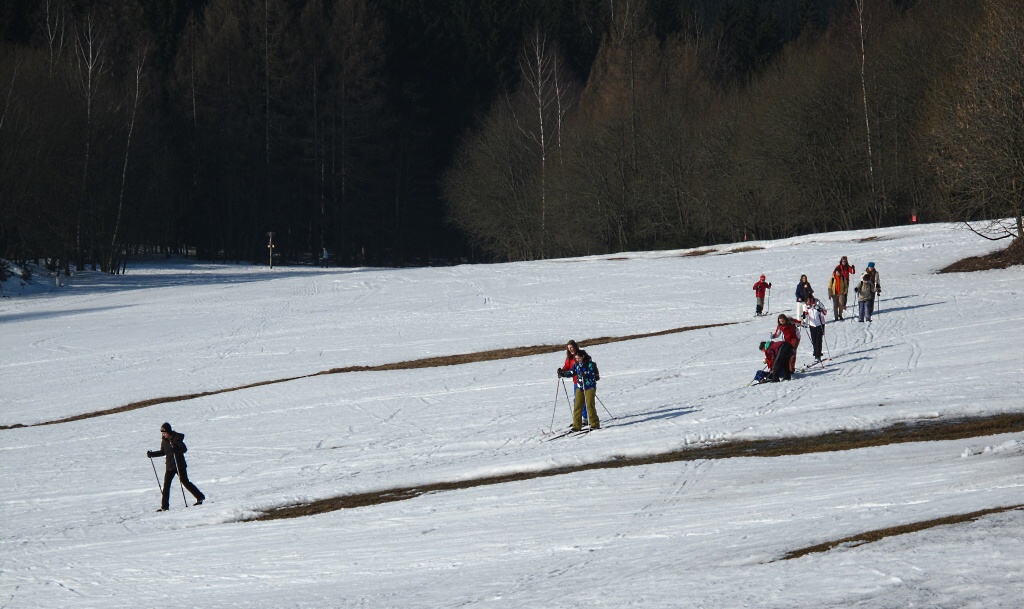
<point x="871" y="265"/>
<point x="763" y="346"/>
<point x="762" y="277"/>
<point x="166" y="427"/>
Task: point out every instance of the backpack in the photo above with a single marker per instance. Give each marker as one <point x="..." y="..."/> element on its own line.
<point x="597" y="373"/>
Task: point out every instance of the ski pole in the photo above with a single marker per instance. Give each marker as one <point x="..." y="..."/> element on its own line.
<point x="768" y="303"/>
<point x="156" y="476"/>
<point x="605" y="407"/>
<point x="178" y="467"/>
<point x="552" y="426"/>
<point x="567" y="400"/>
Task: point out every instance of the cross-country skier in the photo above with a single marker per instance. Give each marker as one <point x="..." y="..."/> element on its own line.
<point x="870" y="285"/>
<point x="585" y="376"/>
<point x="789" y="333"/>
<point x="776" y="357"/>
<point x="172" y="446"/>
<point x="814" y="318"/>
<point x="759" y="289"/>
<point x="841" y="279"/>
<point x="803" y="292"/>
<point x="571" y="349"/>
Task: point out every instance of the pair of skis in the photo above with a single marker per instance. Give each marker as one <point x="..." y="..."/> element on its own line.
<point x="565" y="433"/>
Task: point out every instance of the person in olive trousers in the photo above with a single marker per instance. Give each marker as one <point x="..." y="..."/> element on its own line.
<point x="173" y="449"/>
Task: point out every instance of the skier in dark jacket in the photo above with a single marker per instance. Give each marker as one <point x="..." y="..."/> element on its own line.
<point x="776" y="357"/>
<point x="571" y="349"/>
<point x="173" y="449"/>
<point x="585" y="374"/>
<point x="803" y="292"/>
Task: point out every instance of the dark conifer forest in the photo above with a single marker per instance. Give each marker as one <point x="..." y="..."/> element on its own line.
<point x="413" y="132"/>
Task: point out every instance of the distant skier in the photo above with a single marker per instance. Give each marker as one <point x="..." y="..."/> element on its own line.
<point x="814" y="319"/>
<point x="324" y="257"/>
<point x="759" y="290"/>
<point x="172" y="447"/>
<point x="870" y="286"/>
<point x="776" y="357"/>
<point x="841" y="278"/>
<point x="803" y="292"/>
<point x="585" y="376"/>
<point x="791" y="335"/>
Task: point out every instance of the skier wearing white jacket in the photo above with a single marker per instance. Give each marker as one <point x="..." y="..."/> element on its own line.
<point x="814" y="319"/>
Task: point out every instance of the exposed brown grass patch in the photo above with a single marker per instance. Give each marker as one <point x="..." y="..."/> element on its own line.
<point x="429" y="362"/>
<point x="920" y="431"/>
<point x="746" y="248"/>
<point x="867" y="239"/>
<point x="1011" y="256"/>
<point x="698" y="253"/>
<point x="913" y="527"/>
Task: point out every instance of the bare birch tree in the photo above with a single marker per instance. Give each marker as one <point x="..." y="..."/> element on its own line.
<point x="545" y="85"/>
<point x="91" y="66"/>
<point x="134" y="96"/>
<point x="875" y="203"/>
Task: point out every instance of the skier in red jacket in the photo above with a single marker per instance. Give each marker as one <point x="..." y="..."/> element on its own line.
<point x="759" y="289"/>
<point x="776" y="356"/>
<point x="789" y="333"/>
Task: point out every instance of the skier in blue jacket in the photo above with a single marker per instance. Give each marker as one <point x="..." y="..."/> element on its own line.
<point x="586" y="376"/>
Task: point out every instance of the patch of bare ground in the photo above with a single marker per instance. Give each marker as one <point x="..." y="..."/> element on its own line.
<point x="1011" y="256"/>
<point x="430" y="362"/>
<point x="698" y="253"/>
<point x="913" y="527"/>
<point x="871" y="238"/>
<point x="918" y="431"/>
<point x="746" y="248"/>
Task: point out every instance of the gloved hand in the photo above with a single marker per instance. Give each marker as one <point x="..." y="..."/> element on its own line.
<point x="559" y="372"/>
<point x="150" y="454"/>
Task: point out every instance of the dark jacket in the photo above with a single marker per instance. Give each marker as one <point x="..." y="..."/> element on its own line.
<point x="585" y="374"/>
<point x="173" y="449"/>
<point x="803" y="290"/>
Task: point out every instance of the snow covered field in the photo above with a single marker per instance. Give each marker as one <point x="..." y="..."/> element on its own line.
<point x="78" y="498"/>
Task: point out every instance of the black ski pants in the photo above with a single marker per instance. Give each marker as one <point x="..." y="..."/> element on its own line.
<point x="817" y="334"/>
<point x="780" y="368"/>
<point x="169" y="477"/>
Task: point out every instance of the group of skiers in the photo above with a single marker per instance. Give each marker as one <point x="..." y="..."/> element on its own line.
<point x="779" y="358"/>
<point x="780" y="355"/>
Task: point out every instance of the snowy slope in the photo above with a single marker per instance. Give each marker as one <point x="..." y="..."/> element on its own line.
<point x="78" y="497"/>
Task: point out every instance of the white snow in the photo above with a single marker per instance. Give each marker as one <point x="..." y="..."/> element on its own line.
<point x="77" y="499"/>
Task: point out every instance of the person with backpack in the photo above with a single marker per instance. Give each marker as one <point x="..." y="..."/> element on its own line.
<point x="585" y="376"/>
<point x="759" y="290"/>
<point x="172" y="447"/>
<point x="803" y="292"/>
<point x="814" y="319"/>
<point x="870" y="286"/>
<point x="841" y="278"/>
<point x="776" y="356"/>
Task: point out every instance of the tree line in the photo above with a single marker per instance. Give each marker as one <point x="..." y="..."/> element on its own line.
<point x="878" y="113"/>
<point x="397" y="132"/>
